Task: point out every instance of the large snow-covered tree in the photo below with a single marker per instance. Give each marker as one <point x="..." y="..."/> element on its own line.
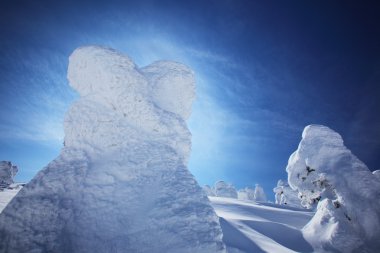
<point x="327" y="175"/>
<point x="120" y="183"/>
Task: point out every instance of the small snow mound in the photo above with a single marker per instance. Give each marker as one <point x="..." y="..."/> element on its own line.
<point x="327" y="175"/>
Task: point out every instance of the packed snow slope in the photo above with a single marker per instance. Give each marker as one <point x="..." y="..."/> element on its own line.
<point x="120" y="183"/>
<point x="325" y="173"/>
<point x="254" y="227"/>
<point x="6" y="195"/>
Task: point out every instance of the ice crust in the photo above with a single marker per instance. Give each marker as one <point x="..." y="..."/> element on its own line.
<point x="346" y="193"/>
<point x="120" y="183"/>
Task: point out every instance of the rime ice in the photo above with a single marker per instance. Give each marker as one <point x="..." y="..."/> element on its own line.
<point x="120" y="183"/>
<point x="329" y="176"/>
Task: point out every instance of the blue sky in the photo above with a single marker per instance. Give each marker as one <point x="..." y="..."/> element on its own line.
<point x="264" y="70"/>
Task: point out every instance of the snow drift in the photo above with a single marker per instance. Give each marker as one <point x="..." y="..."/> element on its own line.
<point x="120" y="183"/>
<point x="328" y="175"/>
<point x="251" y="227"/>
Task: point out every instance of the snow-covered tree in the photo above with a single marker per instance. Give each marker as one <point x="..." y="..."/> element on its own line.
<point x="7" y="173"/>
<point x="260" y="194"/>
<point x="246" y="194"/>
<point x="376" y="173"/>
<point x="223" y="189"/>
<point x="120" y="183"/>
<point x="284" y="195"/>
<point x="328" y="175"/>
<point x="209" y="190"/>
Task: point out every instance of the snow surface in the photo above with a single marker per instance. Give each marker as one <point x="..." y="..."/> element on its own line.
<point x="6" y="196"/>
<point x="120" y="183"/>
<point x="345" y="191"/>
<point x="251" y="227"/>
<point x="257" y="227"/>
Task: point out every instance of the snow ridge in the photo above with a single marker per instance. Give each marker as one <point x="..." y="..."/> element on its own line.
<point x="120" y="183"/>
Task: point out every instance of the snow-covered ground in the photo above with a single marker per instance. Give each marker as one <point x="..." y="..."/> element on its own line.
<point x="261" y="227"/>
<point x="6" y="196"/>
<point x="249" y="226"/>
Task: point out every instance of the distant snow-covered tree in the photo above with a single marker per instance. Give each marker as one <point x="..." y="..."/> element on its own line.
<point x="260" y="194"/>
<point x="284" y="195"/>
<point x="7" y="173"/>
<point x="209" y="190"/>
<point x="246" y="194"/>
<point x="223" y="189"/>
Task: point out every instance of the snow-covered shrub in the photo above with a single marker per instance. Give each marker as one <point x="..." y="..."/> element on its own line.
<point x="7" y="173"/>
<point x="223" y="189"/>
<point x="284" y="195"/>
<point x="328" y="175"/>
<point x="121" y="182"/>
<point x="260" y="194"/>
<point x="246" y="194"/>
<point x="209" y="190"/>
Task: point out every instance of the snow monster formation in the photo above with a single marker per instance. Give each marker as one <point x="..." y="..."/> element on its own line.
<point x="345" y="193"/>
<point x="120" y="183"/>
